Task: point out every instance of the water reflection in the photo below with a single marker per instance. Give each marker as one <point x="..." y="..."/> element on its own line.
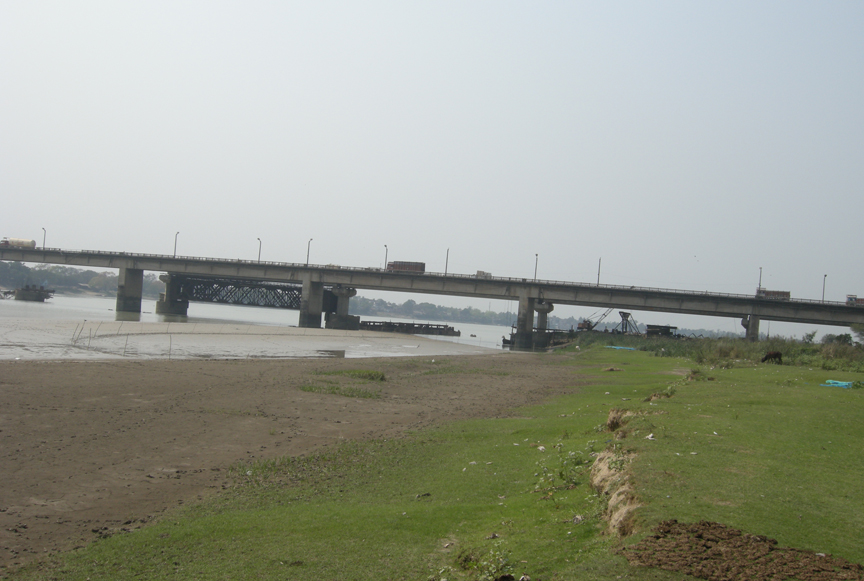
<point x="172" y="318"/>
<point x="332" y="353"/>
<point x="126" y="316"/>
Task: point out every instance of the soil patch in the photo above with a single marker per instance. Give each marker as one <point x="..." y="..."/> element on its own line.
<point x="713" y="551"/>
<point x="90" y="449"/>
<point x="610" y="478"/>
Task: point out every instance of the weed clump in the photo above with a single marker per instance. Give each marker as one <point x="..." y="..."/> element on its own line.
<point x="365" y="374"/>
<point x="343" y="390"/>
<point x="490" y="566"/>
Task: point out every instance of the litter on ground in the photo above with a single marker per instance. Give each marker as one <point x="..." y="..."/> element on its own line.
<point x="843" y="384"/>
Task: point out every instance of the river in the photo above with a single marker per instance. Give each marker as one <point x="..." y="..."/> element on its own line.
<point x="46" y="331"/>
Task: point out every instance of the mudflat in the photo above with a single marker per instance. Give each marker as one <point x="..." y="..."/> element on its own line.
<point x="89" y="448"/>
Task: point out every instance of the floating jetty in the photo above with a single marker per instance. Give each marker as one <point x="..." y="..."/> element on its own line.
<point x="410" y="328"/>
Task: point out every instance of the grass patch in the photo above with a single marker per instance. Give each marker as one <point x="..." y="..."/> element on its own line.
<point x="766" y="449"/>
<point x="364" y="374"/>
<point x="732" y="352"/>
<point x="343" y="390"/>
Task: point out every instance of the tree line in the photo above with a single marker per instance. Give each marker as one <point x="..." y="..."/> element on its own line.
<point x="66" y="279"/>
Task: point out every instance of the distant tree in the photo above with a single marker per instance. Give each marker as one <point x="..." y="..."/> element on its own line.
<point x="14" y="274"/>
<point x="859" y="332"/>
<point x="103" y="282"/>
<point x="407" y="308"/>
<point x="808" y="337"/>
<point x="152" y="285"/>
<point x="844" y="339"/>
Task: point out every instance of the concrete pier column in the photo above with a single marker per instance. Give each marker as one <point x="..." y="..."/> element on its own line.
<point x="341" y="319"/>
<point x="541" y="339"/>
<point x="311" y="304"/>
<point x="751" y="324"/>
<point x="130" y="285"/>
<point x="524" y="339"/>
<point x="171" y="302"/>
<point x="543" y="309"/>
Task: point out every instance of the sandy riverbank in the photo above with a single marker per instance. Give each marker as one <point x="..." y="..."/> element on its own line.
<point x="29" y="339"/>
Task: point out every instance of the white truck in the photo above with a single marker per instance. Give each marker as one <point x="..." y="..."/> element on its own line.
<point x="18" y="243"/>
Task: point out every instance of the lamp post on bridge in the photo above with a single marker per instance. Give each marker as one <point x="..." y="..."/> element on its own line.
<point x="824" y="278"/>
<point x="536" y="260"/>
<point x="308" y="246"/>
<point x="175" y="244"/>
<point x="45" y="233"/>
<point x="386" y="251"/>
<point x="760" y="278"/>
<point x="446" y="262"/>
<point x="259" y="250"/>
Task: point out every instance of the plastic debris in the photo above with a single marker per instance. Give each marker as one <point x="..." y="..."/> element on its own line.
<point x="832" y="383"/>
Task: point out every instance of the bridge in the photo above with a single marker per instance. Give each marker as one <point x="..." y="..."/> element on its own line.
<point x="328" y="289"/>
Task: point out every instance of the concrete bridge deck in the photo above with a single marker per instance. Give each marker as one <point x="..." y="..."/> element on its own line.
<point x="538" y="296"/>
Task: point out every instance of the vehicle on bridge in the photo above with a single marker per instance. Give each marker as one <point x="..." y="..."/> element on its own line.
<point x="762" y="293"/>
<point x="854" y="301"/>
<point x="18" y="243"/>
<point x="407" y="266"/>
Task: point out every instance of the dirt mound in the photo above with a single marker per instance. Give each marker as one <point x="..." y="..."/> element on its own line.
<point x="610" y="479"/>
<point x="713" y="551"/>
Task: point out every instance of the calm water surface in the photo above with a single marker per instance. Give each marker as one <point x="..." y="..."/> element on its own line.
<point x="92" y="308"/>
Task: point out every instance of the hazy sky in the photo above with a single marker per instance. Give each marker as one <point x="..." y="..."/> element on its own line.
<point x="685" y="143"/>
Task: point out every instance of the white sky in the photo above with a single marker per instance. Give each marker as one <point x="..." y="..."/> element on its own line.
<point x="685" y="143"/>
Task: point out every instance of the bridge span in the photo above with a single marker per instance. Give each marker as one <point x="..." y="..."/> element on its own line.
<point x="327" y="290"/>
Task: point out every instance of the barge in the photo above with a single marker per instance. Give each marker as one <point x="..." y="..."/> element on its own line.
<point x="410" y="328"/>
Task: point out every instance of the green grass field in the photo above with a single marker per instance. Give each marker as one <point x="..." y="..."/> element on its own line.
<point x="762" y="448"/>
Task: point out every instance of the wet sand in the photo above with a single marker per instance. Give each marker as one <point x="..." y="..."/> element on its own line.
<point x="93" y="447"/>
<point x="26" y="339"/>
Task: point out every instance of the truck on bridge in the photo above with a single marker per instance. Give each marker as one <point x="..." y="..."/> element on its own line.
<point x="407" y="266"/>
<point x="854" y="301"/>
<point x="18" y="243"/>
<point x="775" y="295"/>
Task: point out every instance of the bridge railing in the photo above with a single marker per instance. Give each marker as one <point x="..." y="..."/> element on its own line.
<point x="449" y="275"/>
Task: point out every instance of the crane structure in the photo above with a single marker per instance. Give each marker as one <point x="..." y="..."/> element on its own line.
<point x="628" y="324"/>
<point x="589" y="324"/>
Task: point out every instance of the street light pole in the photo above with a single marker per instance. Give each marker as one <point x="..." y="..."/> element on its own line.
<point x="536" y="260"/>
<point x="824" y="278"/>
<point x="44" y="234"/>
<point x="308" y="246"/>
<point x="259" y="250"/>
<point x="386" y="251"/>
<point x="760" y="277"/>
<point x="446" y="262"/>
<point x="175" y="244"/>
<point x="599" y="262"/>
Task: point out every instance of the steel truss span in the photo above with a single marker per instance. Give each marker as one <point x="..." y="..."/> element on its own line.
<point x="239" y="292"/>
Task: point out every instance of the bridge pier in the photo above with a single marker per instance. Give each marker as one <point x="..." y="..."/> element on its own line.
<point x="170" y="302"/>
<point x="341" y="319"/>
<point x="543" y="309"/>
<point x="524" y="337"/>
<point x="130" y="287"/>
<point x="311" y="304"/>
<point x="751" y="324"/>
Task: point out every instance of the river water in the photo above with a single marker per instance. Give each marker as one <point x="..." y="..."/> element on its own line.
<point x="87" y="327"/>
